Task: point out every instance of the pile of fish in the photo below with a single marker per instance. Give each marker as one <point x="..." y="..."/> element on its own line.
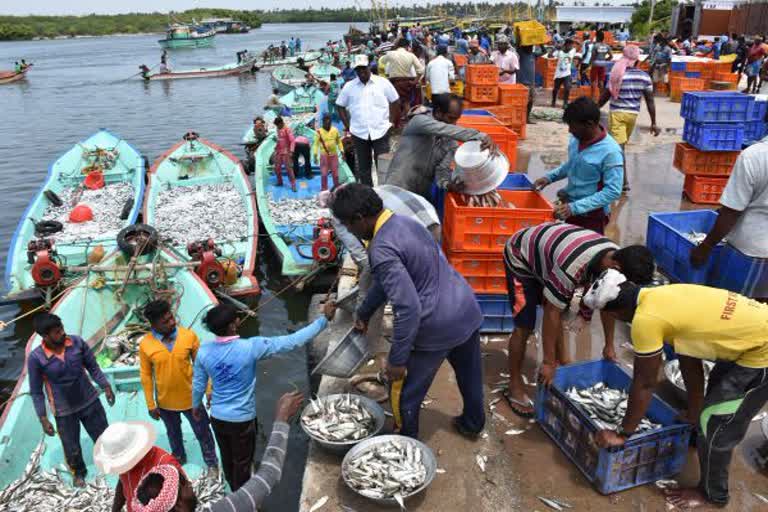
<point x="106" y="203"/>
<point x="490" y="200"/>
<point x="391" y="470"/>
<point x="698" y="237"/>
<point x="198" y="212"/>
<point x="606" y="406"/>
<point x="289" y="212"/>
<point x="342" y="418"/>
<point x="49" y="490"/>
<point x="676" y="377"/>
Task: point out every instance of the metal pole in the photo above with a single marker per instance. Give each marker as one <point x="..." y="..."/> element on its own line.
<point x="650" y="16"/>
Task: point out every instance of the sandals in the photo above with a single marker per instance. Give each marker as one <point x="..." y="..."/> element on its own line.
<point x="514" y="404"/>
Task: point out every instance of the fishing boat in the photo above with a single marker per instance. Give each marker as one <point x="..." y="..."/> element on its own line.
<point x="294" y="242"/>
<point x="267" y="63"/>
<point x="303" y="99"/>
<point x="104" y="308"/>
<point x="8" y="77"/>
<point x="46" y="240"/>
<point x="212" y="72"/>
<point x="287" y="78"/>
<point x="324" y="71"/>
<point x="201" y="202"/>
<point x="187" y="36"/>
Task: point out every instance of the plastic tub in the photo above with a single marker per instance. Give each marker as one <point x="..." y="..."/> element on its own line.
<point x="714" y="136"/>
<point x="497" y="313"/>
<point x="704" y="189"/>
<point x="716" y="107"/>
<point x="735" y="270"/>
<point x="690" y="160"/>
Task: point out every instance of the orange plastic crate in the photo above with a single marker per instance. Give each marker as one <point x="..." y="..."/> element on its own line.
<point x="469" y="228"/>
<point x="504" y="137"/>
<point x="726" y="76"/>
<point x="676" y="74"/>
<point x="460" y="60"/>
<point x="686" y="84"/>
<point x="482" y="74"/>
<point x="577" y="92"/>
<point x="469" y="105"/>
<point x="478" y="121"/>
<point x="519" y="130"/>
<point x="482" y="264"/>
<point x="690" y="160"/>
<point x="513" y="94"/>
<point x="722" y="67"/>
<point x="704" y="189"/>
<point x="693" y="67"/>
<point x="545" y="64"/>
<point x="482" y="93"/>
<point x="508" y="115"/>
<point x="662" y="89"/>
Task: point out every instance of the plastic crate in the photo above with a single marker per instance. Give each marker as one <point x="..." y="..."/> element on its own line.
<point x="679" y="66"/>
<point x="754" y="131"/>
<point x="482" y="74"/>
<point x="482" y="93"/>
<point x="478" y="229"/>
<point x="530" y="33"/>
<point x="704" y="189"/>
<point x="514" y="95"/>
<point x="520" y="130"/>
<point x="505" y="138"/>
<point x="665" y="237"/>
<point x="732" y="78"/>
<point x="476" y="112"/>
<point x="716" y="107"/>
<point x="721" y="66"/>
<point x="642" y="459"/>
<point x="497" y="313"/>
<point x="734" y="270"/>
<point x="483" y="271"/>
<point x="685" y="84"/>
<point x="460" y="60"/>
<point x="509" y="115"/>
<point x="690" y="160"/>
<point x="759" y="111"/>
<point x="513" y="181"/>
<point x="714" y="136"/>
<point x="662" y="89"/>
<point x="693" y="66"/>
<point x="693" y="74"/>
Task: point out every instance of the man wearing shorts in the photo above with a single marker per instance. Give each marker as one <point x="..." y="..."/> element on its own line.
<point x="627" y="86"/>
<point x="600" y="54"/>
<point x="545" y="265"/>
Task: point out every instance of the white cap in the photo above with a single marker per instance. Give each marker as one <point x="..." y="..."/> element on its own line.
<point x="122" y="445"/>
<point x="360" y="61"/>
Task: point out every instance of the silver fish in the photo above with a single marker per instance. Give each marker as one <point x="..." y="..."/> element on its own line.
<point x="606" y="406"/>
<point x="343" y="418"/>
<point x="290" y="212"/>
<point x="550" y="503"/>
<point x="677" y="377"/>
<point x="387" y="470"/>
<point x="697" y="237"/>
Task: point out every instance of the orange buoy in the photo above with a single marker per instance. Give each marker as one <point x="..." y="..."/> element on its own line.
<point x="94" y="180"/>
<point x="81" y="213"/>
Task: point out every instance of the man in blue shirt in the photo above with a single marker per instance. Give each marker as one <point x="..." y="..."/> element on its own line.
<point x="594" y="169"/>
<point x="436" y="315"/>
<point x="348" y="73"/>
<point x="462" y="44"/>
<point x="60" y="364"/>
<point x="230" y="362"/>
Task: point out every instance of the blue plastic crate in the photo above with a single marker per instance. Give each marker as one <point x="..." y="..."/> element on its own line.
<point x="539" y="80"/>
<point x="693" y="74"/>
<point x="716" y="107"/>
<point x="666" y="240"/>
<point x="678" y="66"/>
<point x="513" y="181"/>
<point x="476" y="112"/>
<point x="643" y="459"/>
<point x="754" y="131"/>
<point x="734" y="270"/>
<point x="759" y="111"/>
<point x="497" y="313"/>
<point x="714" y="136"/>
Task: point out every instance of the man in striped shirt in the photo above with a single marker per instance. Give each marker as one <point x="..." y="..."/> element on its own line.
<point x="545" y="265"/>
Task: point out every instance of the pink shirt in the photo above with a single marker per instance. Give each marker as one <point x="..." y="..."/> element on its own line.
<point x="285" y="141"/>
<point x="506" y="62"/>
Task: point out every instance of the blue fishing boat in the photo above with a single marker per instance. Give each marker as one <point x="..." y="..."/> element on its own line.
<point x="187" y="36"/>
<point x="46" y="240"/>
<point x="295" y="243"/>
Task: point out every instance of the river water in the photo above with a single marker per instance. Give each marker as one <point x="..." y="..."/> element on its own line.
<point x="80" y="85"/>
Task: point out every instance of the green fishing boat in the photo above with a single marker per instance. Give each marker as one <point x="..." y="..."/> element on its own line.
<point x="104" y="308"/>
<point x="46" y="240"/>
<point x="186" y="36"/>
<point x="303" y="99"/>
<point x="324" y="71"/>
<point x="293" y="242"/>
<point x="287" y="78"/>
<point x="266" y="62"/>
<point x="202" y="204"/>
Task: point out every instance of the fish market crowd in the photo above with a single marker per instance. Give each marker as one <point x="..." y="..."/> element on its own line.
<point x="567" y="269"/>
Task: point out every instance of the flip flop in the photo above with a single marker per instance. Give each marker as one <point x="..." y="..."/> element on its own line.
<point x="514" y="404"/>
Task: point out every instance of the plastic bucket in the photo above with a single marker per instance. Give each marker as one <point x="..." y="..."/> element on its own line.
<point x="94" y="180"/>
<point x="81" y="213"/>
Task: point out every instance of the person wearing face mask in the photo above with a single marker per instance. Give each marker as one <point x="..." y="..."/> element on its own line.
<point x="61" y="364"/>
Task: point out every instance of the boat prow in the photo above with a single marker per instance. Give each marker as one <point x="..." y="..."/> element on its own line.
<point x="8" y="77"/>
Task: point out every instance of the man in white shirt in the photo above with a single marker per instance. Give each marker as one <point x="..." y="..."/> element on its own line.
<point x="368" y="107"/>
<point x="564" y="58"/>
<point x="440" y="73"/>
<point x="401" y="64"/>
<point x="743" y="219"/>
<point x="506" y="60"/>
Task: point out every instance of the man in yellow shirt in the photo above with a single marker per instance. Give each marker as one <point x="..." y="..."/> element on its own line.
<point x="326" y="148"/>
<point x="167" y="355"/>
<point x="700" y="323"/>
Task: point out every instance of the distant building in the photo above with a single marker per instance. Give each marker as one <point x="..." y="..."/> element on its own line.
<point x="606" y="15"/>
<point x="702" y="19"/>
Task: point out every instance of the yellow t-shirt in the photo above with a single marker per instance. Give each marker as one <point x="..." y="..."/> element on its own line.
<point x="166" y="376"/>
<point x="332" y="140"/>
<point x="702" y="322"/>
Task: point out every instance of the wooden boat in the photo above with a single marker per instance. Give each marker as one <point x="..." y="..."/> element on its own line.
<point x="292" y="243"/>
<point x="185" y="168"/>
<point x="214" y="72"/>
<point x="303" y="99"/>
<point x="287" y="78"/>
<point x="266" y="63"/>
<point x="101" y="309"/>
<point x="324" y="71"/>
<point x="120" y="163"/>
<point x="8" y="77"/>
<point x="186" y="36"/>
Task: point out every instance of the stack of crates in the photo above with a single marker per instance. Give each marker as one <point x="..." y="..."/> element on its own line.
<point x="545" y="72"/>
<point x="482" y="84"/>
<point x="513" y="108"/>
<point x="679" y="85"/>
<point x="714" y="130"/>
<point x="757" y="126"/>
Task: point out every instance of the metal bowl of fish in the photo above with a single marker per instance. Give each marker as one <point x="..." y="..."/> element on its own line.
<point x="674" y="376"/>
<point x="389" y="469"/>
<point x="338" y="422"/>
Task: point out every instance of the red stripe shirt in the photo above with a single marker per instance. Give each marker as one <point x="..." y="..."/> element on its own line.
<point x="131" y="479"/>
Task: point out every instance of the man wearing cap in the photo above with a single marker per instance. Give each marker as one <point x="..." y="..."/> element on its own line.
<point x="506" y="60"/>
<point x="368" y="107"/>
<point x="440" y="73"/>
<point x="718" y="325"/>
<point x="400" y="64"/>
<point x="436" y="315"/>
<point x="476" y="54"/>
<point x="166" y="356"/>
<point x="126" y="449"/>
<point x="61" y="364"/>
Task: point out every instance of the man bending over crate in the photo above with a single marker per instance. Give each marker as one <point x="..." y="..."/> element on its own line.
<point x="545" y="264"/>
<point x="719" y="325"/>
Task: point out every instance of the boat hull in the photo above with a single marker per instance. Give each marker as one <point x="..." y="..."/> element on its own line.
<point x="20" y="431"/>
<point x="269" y="65"/>
<point x="65" y="173"/>
<point x="13" y="77"/>
<point x="202" y="73"/>
<point x="223" y="168"/>
<point x="192" y="42"/>
<point x="290" y="242"/>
